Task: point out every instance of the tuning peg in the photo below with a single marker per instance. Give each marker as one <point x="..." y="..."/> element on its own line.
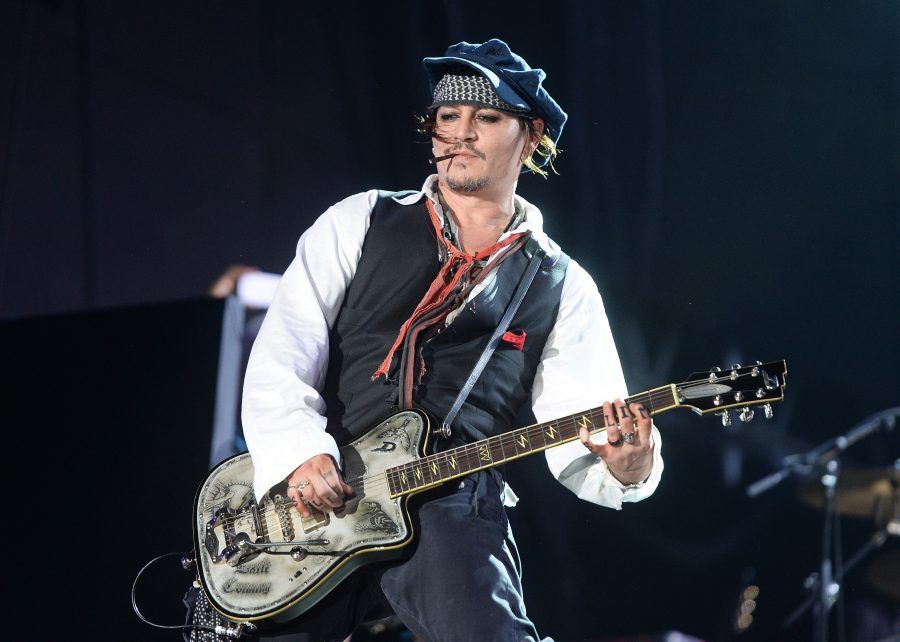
<point x="726" y="418"/>
<point x="767" y="409"/>
<point x="735" y="366"/>
<point x="746" y="414"/>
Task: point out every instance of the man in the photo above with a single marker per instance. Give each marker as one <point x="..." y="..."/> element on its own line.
<point x="390" y="302"/>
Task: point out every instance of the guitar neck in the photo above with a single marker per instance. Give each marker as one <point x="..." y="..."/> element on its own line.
<point x="436" y="469"/>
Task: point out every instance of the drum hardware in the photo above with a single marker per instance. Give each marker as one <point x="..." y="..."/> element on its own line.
<point x="822" y="464"/>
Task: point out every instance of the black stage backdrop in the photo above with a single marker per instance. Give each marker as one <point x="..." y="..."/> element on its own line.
<point x="729" y="176"/>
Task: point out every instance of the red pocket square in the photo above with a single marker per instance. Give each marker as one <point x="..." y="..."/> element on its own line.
<point x="514" y="338"/>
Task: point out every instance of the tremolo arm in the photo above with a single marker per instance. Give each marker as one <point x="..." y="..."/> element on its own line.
<point x="237" y="536"/>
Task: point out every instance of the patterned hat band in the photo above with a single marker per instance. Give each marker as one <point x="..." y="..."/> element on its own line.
<point x="470" y="89"/>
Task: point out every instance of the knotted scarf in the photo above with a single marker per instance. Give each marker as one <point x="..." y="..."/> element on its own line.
<point x="452" y="283"/>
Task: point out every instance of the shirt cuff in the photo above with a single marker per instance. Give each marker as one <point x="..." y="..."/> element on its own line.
<point x="274" y="467"/>
<point x="601" y="487"/>
<point x="642" y="490"/>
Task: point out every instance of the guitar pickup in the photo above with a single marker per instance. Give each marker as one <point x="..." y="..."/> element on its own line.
<point x="316" y="520"/>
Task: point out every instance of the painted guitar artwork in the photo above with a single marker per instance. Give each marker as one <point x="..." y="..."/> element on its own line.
<point x="263" y="563"/>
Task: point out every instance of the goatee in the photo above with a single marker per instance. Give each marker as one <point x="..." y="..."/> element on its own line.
<point x="466" y="184"/>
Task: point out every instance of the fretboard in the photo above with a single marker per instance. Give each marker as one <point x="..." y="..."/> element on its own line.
<point x="435" y="469"/>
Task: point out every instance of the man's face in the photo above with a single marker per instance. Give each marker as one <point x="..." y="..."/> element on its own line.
<point x="489" y="145"/>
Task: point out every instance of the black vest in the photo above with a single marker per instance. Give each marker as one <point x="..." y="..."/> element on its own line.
<point x="399" y="261"/>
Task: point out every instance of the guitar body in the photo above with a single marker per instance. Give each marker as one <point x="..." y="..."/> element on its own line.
<point x="305" y="558"/>
<point x="264" y="562"/>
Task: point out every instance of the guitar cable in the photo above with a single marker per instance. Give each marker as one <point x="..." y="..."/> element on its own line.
<point x="186" y="562"/>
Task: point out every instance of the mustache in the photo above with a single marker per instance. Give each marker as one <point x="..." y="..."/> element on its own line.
<point x="450" y="153"/>
<point x="468" y="147"/>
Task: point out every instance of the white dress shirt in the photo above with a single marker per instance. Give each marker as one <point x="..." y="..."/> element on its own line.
<point x="283" y="413"/>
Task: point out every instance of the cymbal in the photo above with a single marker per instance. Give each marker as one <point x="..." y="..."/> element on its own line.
<point x="862" y="492"/>
<point x="883" y="572"/>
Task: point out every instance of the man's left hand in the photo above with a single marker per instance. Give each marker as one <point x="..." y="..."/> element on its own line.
<point x="629" y="451"/>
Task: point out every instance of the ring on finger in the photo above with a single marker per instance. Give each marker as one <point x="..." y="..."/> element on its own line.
<point x="616" y="443"/>
<point x="629" y="437"/>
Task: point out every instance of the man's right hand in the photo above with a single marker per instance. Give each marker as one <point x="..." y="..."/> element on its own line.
<point x="319" y="482"/>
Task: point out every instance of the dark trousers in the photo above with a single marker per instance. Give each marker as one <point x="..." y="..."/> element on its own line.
<point x="464" y="580"/>
<point x="461" y="582"/>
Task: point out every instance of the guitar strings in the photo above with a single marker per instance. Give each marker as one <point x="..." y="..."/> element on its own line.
<point x="377" y="481"/>
<point x="509" y="438"/>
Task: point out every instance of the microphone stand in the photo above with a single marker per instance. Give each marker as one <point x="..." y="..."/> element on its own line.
<point x="824" y="458"/>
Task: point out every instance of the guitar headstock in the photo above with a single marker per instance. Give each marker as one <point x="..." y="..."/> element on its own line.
<point x="738" y="387"/>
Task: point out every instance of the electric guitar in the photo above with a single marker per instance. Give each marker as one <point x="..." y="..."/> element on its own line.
<point x="262" y="562"/>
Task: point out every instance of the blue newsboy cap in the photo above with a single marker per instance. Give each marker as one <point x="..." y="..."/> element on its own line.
<point x="512" y="78"/>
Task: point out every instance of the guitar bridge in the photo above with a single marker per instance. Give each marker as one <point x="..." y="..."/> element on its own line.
<point x="282" y="510"/>
<point x="231" y="536"/>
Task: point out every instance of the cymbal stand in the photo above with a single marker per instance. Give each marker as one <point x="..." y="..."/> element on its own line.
<point x="875" y="542"/>
<point x="827" y="586"/>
